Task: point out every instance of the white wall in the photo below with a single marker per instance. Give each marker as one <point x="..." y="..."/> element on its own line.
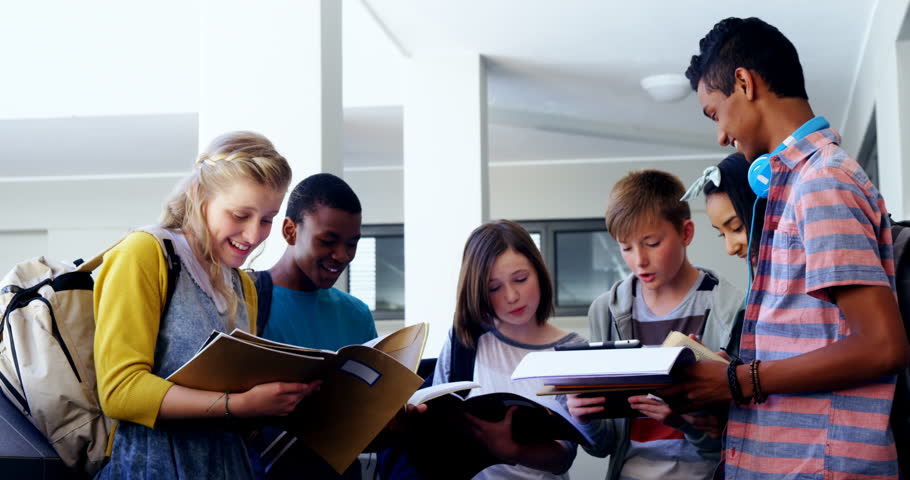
<point x="882" y="85"/>
<point x="18" y="245"/>
<point x="76" y="218"/>
<point x="87" y="58"/>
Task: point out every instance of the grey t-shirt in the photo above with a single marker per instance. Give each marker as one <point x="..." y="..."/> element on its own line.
<point x="688" y="317"/>
<point x="657" y="451"/>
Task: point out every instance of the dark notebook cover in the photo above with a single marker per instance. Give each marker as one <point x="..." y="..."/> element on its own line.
<point x="440" y="445"/>
<point x="24" y="452"/>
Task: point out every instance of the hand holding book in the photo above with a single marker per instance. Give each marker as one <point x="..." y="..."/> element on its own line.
<point x="272" y="399"/>
<point x="483" y="430"/>
<point x="655" y="408"/>
<point x="496" y="436"/>
<point x="332" y="422"/>
<point x="500" y="439"/>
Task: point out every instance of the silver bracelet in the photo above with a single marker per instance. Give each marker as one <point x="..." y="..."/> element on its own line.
<point x="227" y="412"/>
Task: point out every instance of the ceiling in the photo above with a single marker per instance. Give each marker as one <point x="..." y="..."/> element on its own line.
<point x="563" y="79"/>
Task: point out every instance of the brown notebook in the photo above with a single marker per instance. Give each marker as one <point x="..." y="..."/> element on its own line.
<point x="333" y="422"/>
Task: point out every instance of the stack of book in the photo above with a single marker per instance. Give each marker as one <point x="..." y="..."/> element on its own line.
<point x="614" y="374"/>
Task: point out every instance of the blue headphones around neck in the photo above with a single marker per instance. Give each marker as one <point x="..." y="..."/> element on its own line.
<point x="760" y="170"/>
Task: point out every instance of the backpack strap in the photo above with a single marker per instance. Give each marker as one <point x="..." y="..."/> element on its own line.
<point x="173" y="272"/>
<point x="462" y="359"/>
<point x="170" y="258"/>
<point x="264" y="286"/>
<point x="900" y="411"/>
<point x="900" y="231"/>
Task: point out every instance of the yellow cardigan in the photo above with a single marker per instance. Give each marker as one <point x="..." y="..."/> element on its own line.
<point x="129" y="295"/>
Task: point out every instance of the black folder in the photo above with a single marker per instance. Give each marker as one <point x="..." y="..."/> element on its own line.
<point x="24" y="452"/>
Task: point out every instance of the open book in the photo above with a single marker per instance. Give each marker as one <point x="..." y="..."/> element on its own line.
<point x="454" y="453"/>
<point x="363" y="385"/>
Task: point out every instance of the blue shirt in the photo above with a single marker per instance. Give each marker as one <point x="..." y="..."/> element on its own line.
<point x="326" y="318"/>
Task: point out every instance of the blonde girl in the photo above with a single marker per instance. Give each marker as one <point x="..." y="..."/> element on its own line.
<point x="216" y="218"/>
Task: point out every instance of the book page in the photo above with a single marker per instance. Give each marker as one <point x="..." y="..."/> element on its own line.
<point x="429" y="393"/>
<point x="249" y="337"/>
<point x="405" y="345"/>
<point x="679" y="339"/>
<point x="231" y="364"/>
<point x="605" y="389"/>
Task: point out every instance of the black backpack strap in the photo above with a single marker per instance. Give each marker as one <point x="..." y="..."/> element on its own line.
<point x="263" y="282"/>
<point x="173" y="272"/>
<point x="462" y="359"/>
<point x="900" y="234"/>
<point x="900" y="408"/>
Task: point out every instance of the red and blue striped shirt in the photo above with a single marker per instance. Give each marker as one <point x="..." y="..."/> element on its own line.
<point x="825" y="226"/>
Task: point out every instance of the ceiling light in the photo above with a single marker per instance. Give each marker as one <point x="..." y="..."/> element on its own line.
<point x="668" y="87"/>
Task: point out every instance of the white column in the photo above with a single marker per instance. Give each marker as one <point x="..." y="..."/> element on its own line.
<point x="445" y="181"/>
<point x="274" y="67"/>
<point x="892" y="118"/>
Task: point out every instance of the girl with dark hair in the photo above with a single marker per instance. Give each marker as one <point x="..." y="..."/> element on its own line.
<point x="731" y="206"/>
<point x="504" y="301"/>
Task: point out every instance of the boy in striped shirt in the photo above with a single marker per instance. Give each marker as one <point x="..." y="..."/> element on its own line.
<point x="822" y="335"/>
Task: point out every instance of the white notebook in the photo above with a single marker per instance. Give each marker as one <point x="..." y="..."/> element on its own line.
<point x="605" y="366"/>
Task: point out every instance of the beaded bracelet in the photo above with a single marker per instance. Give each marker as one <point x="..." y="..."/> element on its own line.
<point x="735" y="389"/>
<point x="757" y="394"/>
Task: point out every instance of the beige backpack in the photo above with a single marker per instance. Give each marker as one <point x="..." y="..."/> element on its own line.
<point x="47" y="367"/>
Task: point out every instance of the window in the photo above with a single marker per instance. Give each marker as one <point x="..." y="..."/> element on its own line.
<point x="587" y="264"/>
<point x="583" y="259"/>
<point x="376" y="275"/>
